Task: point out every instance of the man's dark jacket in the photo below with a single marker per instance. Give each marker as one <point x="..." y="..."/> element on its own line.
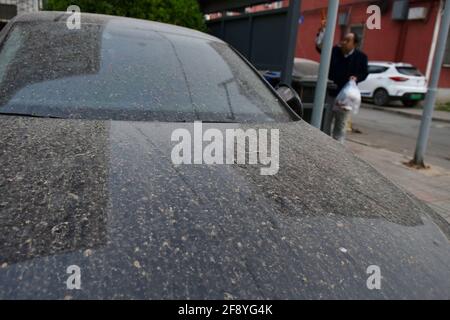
<point x="342" y="68"/>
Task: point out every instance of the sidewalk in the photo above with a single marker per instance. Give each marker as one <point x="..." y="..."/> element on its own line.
<point x="430" y="185"/>
<point x="441" y="116"/>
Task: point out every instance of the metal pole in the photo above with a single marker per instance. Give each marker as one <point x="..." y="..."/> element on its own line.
<point x="325" y="58"/>
<point x="437" y="25"/>
<point x="289" y="53"/>
<point x="430" y="100"/>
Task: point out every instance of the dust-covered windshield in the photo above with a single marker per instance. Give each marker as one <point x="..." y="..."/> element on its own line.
<point x="106" y="71"/>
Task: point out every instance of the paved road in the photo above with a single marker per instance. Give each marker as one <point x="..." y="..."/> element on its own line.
<point x="399" y="134"/>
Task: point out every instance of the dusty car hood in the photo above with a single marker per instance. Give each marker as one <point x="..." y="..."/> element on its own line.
<point x="105" y="196"/>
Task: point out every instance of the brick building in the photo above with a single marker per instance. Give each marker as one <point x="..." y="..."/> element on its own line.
<point x="408" y="39"/>
<point x="408" y="31"/>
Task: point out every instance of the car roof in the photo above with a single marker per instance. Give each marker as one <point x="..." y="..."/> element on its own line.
<point x="390" y="64"/>
<point x="101" y="19"/>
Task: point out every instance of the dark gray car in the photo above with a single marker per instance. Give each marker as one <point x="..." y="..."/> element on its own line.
<point x="86" y="179"/>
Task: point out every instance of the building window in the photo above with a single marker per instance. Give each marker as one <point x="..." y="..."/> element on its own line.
<point x="359" y="30"/>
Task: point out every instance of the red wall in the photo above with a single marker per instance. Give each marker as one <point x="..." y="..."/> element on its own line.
<point x="408" y="41"/>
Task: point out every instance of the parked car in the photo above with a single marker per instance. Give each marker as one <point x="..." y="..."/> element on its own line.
<point x="88" y="186"/>
<point x="389" y="81"/>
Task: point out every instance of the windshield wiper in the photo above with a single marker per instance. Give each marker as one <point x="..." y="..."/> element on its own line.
<point x="28" y="115"/>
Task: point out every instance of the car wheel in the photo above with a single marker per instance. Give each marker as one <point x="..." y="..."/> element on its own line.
<point x="410" y="103"/>
<point x="381" y="97"/>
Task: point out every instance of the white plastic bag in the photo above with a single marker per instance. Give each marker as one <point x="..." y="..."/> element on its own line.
<point x="349" y="98"/>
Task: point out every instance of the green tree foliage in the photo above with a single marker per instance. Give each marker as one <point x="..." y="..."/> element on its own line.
<point x="180" y="12"/>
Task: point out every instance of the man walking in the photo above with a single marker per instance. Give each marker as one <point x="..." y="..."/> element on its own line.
<point x="347" y="63"/>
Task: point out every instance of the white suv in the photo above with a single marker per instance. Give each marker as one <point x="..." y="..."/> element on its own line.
<point x="388" y="81"/>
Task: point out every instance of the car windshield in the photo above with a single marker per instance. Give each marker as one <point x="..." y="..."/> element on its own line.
<point x="409" y="71"/>
<point x="111" y="72"/>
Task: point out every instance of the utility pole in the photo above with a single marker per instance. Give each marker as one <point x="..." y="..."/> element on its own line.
<point x="433" y="42"/>
<point x="430" y="100"/>
<point x="325" y="58"/>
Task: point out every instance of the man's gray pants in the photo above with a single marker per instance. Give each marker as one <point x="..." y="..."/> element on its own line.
<point x="339" y="118"/>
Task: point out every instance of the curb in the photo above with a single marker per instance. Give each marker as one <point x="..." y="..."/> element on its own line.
<point x="403" y="113"/>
